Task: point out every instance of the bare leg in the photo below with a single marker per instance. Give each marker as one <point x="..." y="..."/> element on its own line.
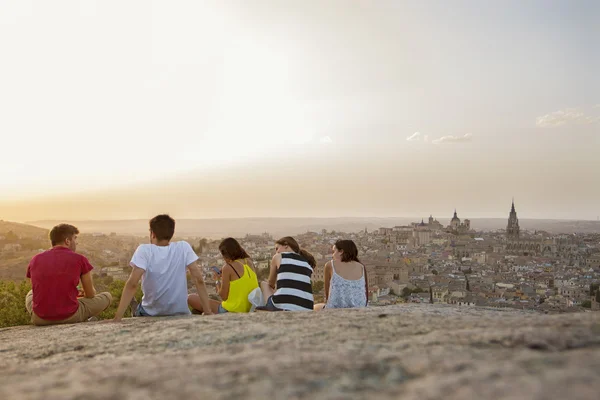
<point x="319" y="306"/>
<point x="267" y="291"/>
<point x="195" y="303"/>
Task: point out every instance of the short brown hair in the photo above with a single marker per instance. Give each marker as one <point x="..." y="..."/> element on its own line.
<point x="62" y="232"/>
<point x="163" y="227"/>
<point x="349" y="250"/>
<point x="232" y="250"/>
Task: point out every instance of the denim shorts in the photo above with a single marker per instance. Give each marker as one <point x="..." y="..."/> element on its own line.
<point x="270" y="306"/>
<point x="140" y="312"/>
<point x="221" y="309"/>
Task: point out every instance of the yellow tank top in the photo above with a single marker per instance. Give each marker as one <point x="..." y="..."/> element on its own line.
<point x="237" y="301"/>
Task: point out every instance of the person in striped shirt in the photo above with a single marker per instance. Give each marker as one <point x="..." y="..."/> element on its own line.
<point x="289" y="287"/>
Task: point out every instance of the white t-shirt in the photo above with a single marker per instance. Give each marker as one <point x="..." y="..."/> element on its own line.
<point x="164" y="283"/>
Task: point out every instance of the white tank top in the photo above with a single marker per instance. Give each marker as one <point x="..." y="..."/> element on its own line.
<point x="344" y="293"/>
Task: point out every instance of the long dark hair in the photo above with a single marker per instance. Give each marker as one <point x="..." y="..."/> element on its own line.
<point x="350" y="252"/>
<point x="232" y="250"/>
<point x="290" y="241"/>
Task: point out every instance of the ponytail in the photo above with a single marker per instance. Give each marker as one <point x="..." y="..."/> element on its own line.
<point x="309" y="258"/>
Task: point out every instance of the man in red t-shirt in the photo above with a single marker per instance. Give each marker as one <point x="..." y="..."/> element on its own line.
<point x="55" y="275"/>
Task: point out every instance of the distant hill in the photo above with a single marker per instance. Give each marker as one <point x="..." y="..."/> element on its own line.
<point x="13" y="264"/>
<point x="220" y="227"/>
<point x="22" y="230"/>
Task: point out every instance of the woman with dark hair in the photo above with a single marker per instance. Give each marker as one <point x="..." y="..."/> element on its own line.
<point x="289" y="286"/>
<point x="235" y="281"/>
<point x="346" y="284"/>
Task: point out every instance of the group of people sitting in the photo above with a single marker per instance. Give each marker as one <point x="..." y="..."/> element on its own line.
<point x="162" y="268"/>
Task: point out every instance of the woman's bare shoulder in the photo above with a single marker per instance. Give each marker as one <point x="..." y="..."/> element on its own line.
<point x="276" y="260"/>
<point x="226" y="268"/>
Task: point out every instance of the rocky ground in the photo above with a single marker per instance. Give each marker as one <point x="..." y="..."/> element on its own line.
<point x="404" y="351"/>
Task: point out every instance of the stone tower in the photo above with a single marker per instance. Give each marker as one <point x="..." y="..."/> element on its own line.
<point x="455" y="222"/>
<point x="512" y="229"/>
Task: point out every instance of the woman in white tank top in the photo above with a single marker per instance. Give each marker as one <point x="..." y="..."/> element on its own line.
<point x="346" y="283"/>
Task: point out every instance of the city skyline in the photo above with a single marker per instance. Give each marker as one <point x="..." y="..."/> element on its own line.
<point x="343" y="109"/>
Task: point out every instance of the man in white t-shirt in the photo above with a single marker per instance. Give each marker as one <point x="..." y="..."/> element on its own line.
<point x="161" y="266"/>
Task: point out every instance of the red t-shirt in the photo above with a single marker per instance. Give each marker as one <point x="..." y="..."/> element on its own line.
<point x="55" y="275"/>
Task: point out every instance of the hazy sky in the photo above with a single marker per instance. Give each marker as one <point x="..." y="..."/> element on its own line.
<point x="120" y="109"/>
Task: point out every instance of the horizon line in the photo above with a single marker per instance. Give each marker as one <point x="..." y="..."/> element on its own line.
<point x="296" y="218"/>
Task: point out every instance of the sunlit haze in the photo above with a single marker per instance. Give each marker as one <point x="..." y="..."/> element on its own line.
<point x="203" y="109"/>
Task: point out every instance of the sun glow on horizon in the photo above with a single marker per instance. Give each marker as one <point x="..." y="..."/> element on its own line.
<point x="171" y="115"/>
<point x="112" y="108"/>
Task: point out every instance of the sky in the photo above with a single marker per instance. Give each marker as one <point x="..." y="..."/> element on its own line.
<point x="205" y="109"/>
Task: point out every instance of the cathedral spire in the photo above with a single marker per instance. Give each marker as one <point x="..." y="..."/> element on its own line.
<point x="512" y="229"/>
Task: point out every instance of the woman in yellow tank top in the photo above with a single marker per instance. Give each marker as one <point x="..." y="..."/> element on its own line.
<point x="235" y="282"/>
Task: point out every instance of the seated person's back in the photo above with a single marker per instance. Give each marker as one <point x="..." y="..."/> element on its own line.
<point x="234" y="282"/>
<point x="289" y="286"/>
<point x="351" y="271"/>
<point x="55" y="275"/>
<point x="347" y="285"/>
<point x="164" y="282"/>
<point x="240" y="286"/>
<point x="345" y="278"/>
<point x="162" y="266"/>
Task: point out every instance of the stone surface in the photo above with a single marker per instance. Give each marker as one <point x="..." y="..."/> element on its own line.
<point x="404" y="351"/>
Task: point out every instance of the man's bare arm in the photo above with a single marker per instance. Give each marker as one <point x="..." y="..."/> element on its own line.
<point x="88" y="285"/>
<point x="128" y="292"/>
<point x="196" y="272"/>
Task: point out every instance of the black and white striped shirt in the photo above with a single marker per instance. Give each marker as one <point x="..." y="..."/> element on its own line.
<point x="294" y="288"/>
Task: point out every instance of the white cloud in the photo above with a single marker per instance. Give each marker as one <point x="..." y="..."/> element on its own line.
<point x="562" y="117"/>
<point x="326" y="139"/>
<point x="414" y="137"/>
<point x="453" y="139"/>
<point x="426" y="138"/>
<point x="597" y="106"/>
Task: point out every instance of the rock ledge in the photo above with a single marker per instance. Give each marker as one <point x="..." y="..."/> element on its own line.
<point x="413" y="351"/>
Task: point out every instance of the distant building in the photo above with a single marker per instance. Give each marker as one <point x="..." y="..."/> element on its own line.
<point x="319" y="273"/>
<point x="10" y="247"/>
<point x="434" y="225"/>
<point x="118" y="273"/>
<point x="593" y="261"/>
<point x="512" y="229"/>
<point x="456" y="227"/>
<point x="517" y="244"/>
<point x="421" y="234"/>
<point x="594" y="300"/>
<point x="386" y="231"/>
<point x="383" y="274"/>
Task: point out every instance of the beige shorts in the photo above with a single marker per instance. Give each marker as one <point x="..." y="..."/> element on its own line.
<point x="87" y="308"/>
